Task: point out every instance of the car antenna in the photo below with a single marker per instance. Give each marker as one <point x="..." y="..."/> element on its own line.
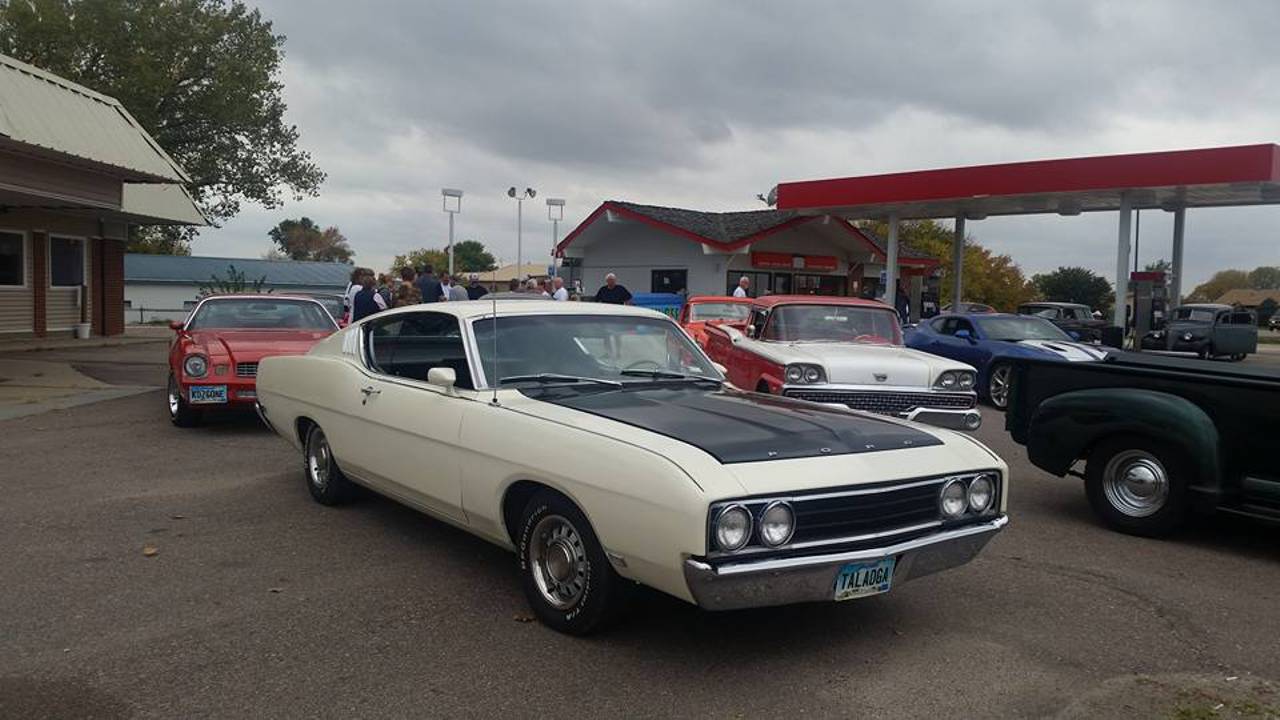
<point x="495" y="380"/>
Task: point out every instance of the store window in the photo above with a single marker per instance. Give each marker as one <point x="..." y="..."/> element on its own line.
<point x="820" y="284"/>
<point x="669" y="281"/>
<point x="66" y="262"/>
<point x="12" y="260"/>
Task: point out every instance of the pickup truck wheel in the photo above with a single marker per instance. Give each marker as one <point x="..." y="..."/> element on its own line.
<point x="998" y="385"/>
<point x="180" y="413"/>
<point x="326" y="482"/>
<point x="1138" y="485"/>
<point x="567" y="579"/>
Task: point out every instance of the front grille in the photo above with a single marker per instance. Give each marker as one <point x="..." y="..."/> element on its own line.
<point x="852" y="518"/>
<point x="886" y="403"/>
<point x="246" y="369"/>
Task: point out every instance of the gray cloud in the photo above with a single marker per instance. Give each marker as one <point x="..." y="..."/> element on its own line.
<point x="705" y="104"/>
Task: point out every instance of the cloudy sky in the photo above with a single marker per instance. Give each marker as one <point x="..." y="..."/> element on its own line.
<point x="704" y="104"/>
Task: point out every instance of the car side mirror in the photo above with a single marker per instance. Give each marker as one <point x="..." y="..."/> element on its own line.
<point x="175" y="325"/>
<point x="443" y="377"/>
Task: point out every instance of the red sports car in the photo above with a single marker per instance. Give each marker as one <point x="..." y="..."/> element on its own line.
<point x="699" y="311"/>
<point x="213" y="361"/>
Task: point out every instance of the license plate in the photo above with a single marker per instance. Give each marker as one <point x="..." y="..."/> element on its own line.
<point x="201" y="394"/>
<point x="862" y="579"/>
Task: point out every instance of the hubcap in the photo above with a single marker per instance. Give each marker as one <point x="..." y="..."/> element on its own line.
<point x="173" y="397"/>
<point x="318" y="460"/>
<point x="558" y="560"/>
<point x="999" y="389"/>
<point x="1135" y="483"/>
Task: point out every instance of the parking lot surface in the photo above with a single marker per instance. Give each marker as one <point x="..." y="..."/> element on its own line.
<point x="156" y="572"/>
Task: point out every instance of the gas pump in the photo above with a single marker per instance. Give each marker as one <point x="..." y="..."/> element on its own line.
<point x="1150" y="302"/>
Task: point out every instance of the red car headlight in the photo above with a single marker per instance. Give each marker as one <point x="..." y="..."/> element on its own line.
<point x="195" y="366"/>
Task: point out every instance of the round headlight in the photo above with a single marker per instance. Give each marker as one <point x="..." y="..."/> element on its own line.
<point x="777" y="522"/>
<point x="811" y="375"/>
<point x="1187" y="336"/>
<point x="948" y="380"/>
<point x="954" y="499"/>
<point x="795" y="374"/>
<point x="981" y="492"/>
<point x="195" y="365"/>
<point x="733" y="528"/>
<point x="964" y="380"/>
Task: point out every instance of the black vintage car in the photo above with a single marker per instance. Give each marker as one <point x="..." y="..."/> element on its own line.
<point x="1160" y="436"/>
<point x="1208" y="330"/>
<point x="1074" y="318"/>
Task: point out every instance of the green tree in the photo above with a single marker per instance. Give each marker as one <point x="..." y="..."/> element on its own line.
<point x="1219" y="283"/>
<point x="234" y="282"/>
<point x="471" y="256"/>
<point x="995" y="280"/>
<point x="1160" y="265"/>
<point x="437" y="259"/>
<point x="1265" y="278"/>
<point x="158" y="240"/>
<point x="303" y="239"/>
<point x="202" y="76"/>
<point x="1077" y="285"/>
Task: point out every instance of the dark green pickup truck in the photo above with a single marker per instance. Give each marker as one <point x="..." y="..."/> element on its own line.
<point x="1160" y="436"/>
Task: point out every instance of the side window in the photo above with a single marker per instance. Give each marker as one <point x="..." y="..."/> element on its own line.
<point x="947" y="326"/>
<point x="1242" y="318"/>
<point x="938" y="324"/>
<point x="410" y="345"/>
<point x="962" y="324"/>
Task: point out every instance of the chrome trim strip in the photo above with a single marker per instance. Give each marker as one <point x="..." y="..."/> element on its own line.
<point x="832" y="387"/>
<point x="791" y="563"/>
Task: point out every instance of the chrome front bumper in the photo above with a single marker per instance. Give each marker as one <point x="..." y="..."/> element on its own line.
<point x="951" y="419"/>
<point x="262" y="415"/>
<point x="783" y="581"/>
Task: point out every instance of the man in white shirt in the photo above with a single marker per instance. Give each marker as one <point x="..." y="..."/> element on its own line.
<point x="744" y="282"/>
<point x="446" y="284"/>
<point x="561" y="294"/>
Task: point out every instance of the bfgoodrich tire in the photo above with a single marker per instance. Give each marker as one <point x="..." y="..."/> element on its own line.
<point x="567" y="579"/>
<point x="326" y="482"/>
<point x="180" y="413"/>
<point x="1139" y="485"/>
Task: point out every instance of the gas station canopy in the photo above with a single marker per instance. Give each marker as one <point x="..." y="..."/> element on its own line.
<point x="1242" y="175"/>
<point x="1172" y="181"/>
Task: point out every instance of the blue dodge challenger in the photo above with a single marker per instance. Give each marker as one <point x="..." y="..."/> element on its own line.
<point x="989" y="341"/>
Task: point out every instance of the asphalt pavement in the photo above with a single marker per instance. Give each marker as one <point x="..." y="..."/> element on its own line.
<point x="152" y="571"/>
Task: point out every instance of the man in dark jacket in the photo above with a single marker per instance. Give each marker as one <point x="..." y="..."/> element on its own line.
<point x="428" y="285"/>
<point x="475" y="290"/>
<point x="368" y="301"/>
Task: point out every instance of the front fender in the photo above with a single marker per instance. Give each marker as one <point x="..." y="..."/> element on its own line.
<point x="1064" y="427"/>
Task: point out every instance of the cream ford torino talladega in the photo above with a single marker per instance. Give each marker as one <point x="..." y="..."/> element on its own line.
<point x="603" y="446"/>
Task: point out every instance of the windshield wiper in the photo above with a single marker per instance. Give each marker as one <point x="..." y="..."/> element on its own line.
<point x="555" y="377"/>
<point x="667" y="375"/>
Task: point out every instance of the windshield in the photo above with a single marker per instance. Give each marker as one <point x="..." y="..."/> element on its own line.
<point x="331" y="303"/>
<point x="616" y="348"/>
<point x="1202" y="315"/>
<point x="702" y="312"/>
<point x="260" y="314"/>
<point x="1020" y="328"/>
<point x="834" y="323"/>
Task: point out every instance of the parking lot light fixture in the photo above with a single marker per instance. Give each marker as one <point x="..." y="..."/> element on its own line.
<point x="451" y="202"/>
<point x="555" y="213"/>
<point x="520" y="197"/>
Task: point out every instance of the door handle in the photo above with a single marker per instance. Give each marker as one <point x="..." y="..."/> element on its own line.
<point x="368" y="391"/>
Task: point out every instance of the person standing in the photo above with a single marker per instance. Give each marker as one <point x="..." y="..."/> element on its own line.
<point x="613" y="293"/>
<point x="348" y="295"/>
<point x="561" y="294"/>
<point x="532" y="287"/>
<point x="513" y="285"/>
<point x="408" y="292"/>
<point x="744" y="283"/>
<point x="428" y="285"/>
<point x="367" y="301"/>
<point x="475" y="290"/>
<point x="456" y="291"/>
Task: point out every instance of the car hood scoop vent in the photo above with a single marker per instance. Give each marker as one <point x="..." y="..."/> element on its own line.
<point x="737" y="427"/>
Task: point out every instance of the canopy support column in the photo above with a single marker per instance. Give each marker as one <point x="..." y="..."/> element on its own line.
<point x="957" y="265"/>
<point x="1122" y="260"/>
<point x="891" y="263"/>
<point x="1175" y="285"/>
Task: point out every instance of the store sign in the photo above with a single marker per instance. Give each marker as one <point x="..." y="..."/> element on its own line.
<point x="787" y="261"/>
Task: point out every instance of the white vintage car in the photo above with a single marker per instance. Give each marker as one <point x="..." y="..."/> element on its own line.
<point x="843" y="351"/>
<point x="603" y="446"/>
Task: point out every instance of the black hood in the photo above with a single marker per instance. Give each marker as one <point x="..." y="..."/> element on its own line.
<point x="735" y="426"/>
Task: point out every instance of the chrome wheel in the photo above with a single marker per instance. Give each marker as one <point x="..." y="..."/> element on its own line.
<point x="175" y="398"/>
<point x="1135" y="483"/>
<point x="318" y="459"/>
<point x="998" y="386"/>
<point x="558" y="560"/>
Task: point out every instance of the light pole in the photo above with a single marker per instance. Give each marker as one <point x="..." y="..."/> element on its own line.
<point x="451" y="201"/>
<point x="528" y="194"/>
<point x="555" y="213"/>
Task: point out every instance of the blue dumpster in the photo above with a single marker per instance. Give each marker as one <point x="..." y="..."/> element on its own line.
<point x="666" y="303"/>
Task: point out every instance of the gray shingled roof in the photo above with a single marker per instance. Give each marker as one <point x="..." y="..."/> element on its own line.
<point x="189" y="270"/>
<point x="725" y="227"/>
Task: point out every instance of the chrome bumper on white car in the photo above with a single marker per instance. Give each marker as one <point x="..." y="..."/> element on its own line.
<point x="954" y="410"/>
<point x="812" y="578"/>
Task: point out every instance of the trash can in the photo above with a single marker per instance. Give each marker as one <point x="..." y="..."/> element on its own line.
<point x="666" y="303"/>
